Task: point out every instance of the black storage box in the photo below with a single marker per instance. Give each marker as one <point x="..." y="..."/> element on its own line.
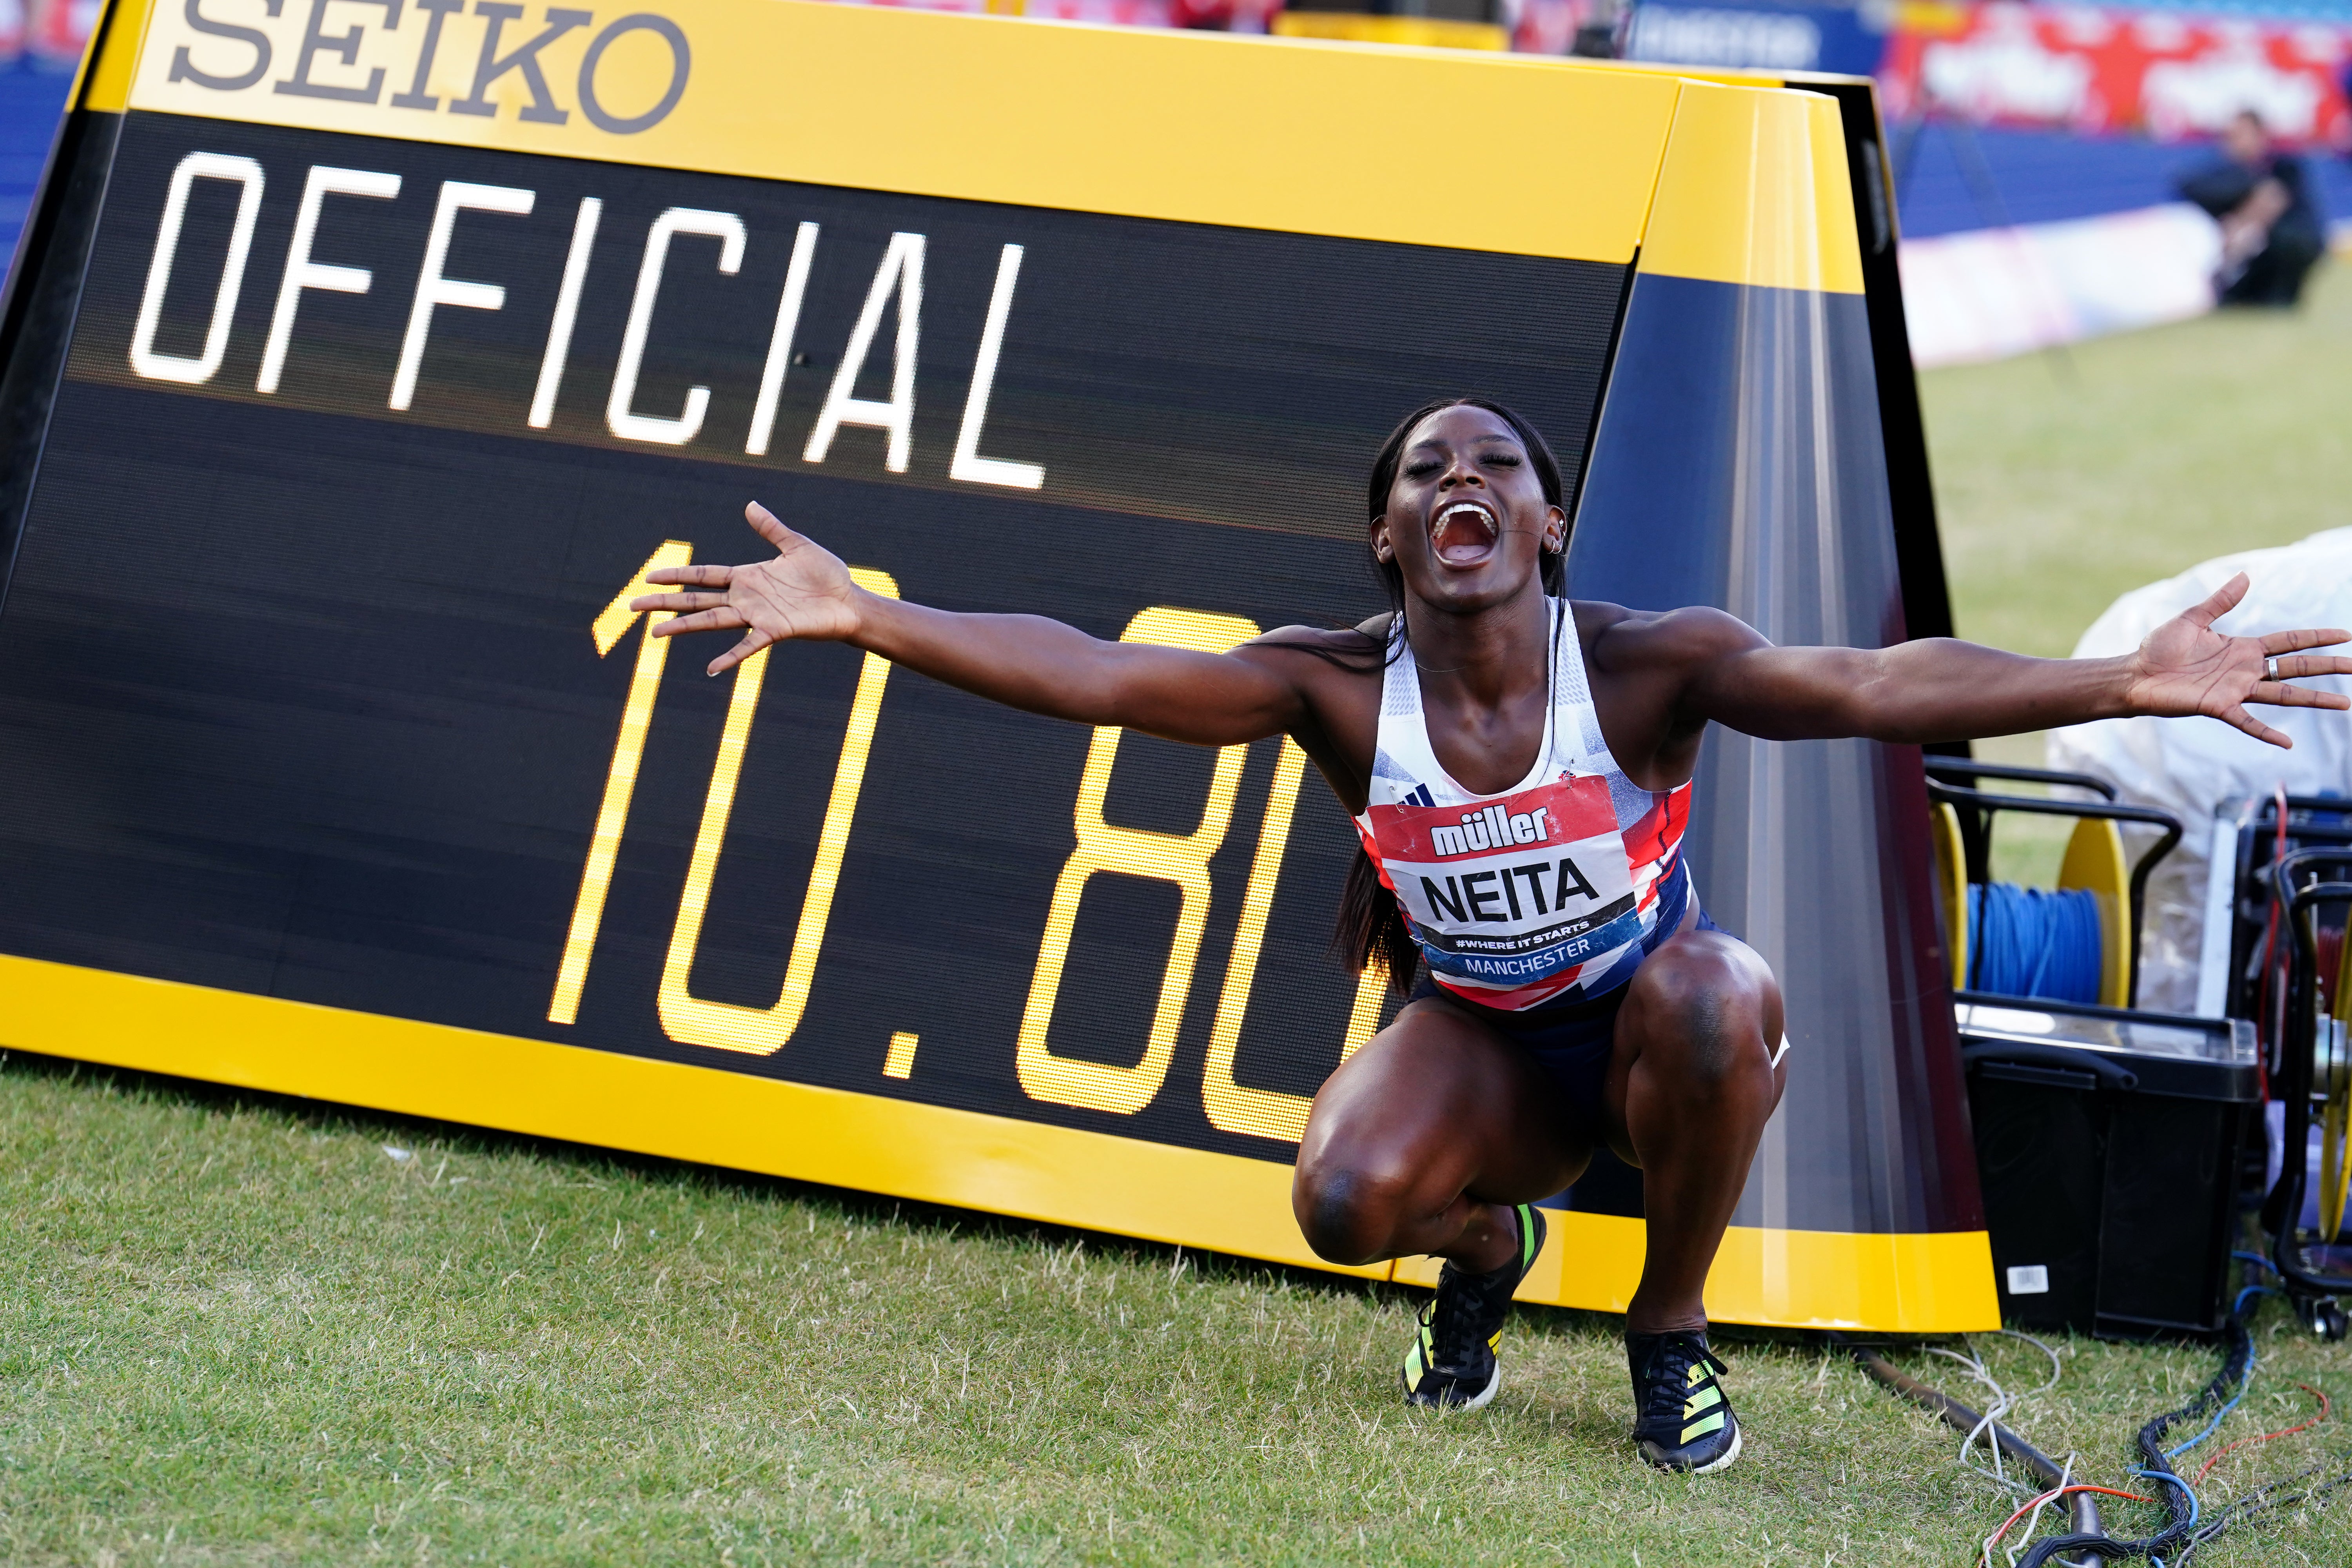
<point x="2108" y="1144"/>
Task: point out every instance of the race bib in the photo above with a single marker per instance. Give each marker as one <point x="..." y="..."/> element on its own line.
<point x="1516" y="890"/>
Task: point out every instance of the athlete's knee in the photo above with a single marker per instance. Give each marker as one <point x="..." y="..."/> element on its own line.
<point x="1348" y="1214"/>
<point x="1700" y="1002"/>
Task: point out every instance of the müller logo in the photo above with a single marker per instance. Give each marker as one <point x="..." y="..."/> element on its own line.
<point x="342" y="65"/>
<point x="1489" y="829"/>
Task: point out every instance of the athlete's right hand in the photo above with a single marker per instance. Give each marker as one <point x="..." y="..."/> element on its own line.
<point x="805" y="592"/>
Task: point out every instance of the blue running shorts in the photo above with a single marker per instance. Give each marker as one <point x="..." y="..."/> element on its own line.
<point x="1570" y="1040"/>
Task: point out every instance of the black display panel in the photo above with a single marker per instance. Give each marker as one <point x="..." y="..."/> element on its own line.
<point x="300" y="697"/>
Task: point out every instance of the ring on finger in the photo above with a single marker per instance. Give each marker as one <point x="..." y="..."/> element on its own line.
<point x="2269" y="668"/>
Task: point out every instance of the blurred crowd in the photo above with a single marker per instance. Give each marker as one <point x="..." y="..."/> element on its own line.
<point x="2003" y="117"/>
<point x="48" y="33"/>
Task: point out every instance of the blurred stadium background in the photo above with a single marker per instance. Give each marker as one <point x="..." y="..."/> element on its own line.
<point x="2035" y="147"/>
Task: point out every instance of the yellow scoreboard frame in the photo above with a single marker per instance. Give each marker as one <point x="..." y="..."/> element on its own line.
<point x="1732" y="182"/>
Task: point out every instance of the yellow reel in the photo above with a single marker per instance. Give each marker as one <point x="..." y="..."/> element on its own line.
<point x="2094" y="862"/>
<point x="1951" y="886"/>
<point x="2331" y="1075"/>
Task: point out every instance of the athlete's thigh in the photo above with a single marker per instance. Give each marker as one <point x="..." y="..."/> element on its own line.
<point x="1442" y="1102"/>
<point x="1695" y="1009"/>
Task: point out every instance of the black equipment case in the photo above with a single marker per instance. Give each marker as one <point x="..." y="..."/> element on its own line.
<point x="2107" y="1142"/>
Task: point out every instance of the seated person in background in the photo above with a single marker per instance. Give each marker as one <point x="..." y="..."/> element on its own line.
<point x="2271" y="228"/>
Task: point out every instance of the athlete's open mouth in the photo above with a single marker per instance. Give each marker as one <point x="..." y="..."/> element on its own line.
<point x="1464" y="533"/>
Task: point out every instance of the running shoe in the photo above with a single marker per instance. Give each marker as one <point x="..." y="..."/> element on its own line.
<point x="1683" y="1422"/>
<point x="1452" y="1363"/>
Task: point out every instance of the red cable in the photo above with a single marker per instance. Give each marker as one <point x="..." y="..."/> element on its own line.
<point x="2282" y="1432"/>
<point x="1995" y="1539"/>
<point x="2274" y="1019"/>
<point x="2262" y="1001"/>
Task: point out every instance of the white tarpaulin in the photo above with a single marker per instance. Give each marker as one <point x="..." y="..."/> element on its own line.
<point x="1989" y="293"/>
<point x="2189" y="766"/>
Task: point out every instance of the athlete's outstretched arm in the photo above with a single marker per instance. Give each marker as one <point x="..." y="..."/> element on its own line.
<point x="1025" y="661"/>
<point x="1938" y="688"/>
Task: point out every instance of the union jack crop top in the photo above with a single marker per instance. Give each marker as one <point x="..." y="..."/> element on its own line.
<point x="1545" y="892"/>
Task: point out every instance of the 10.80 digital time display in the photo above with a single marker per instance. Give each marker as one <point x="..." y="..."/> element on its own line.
<point x="370" y="442"/>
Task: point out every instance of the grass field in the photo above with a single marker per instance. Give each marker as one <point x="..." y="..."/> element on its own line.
<point x="241" y="1330"/>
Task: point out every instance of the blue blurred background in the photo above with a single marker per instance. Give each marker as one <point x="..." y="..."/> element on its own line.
<point x="32" y="97"/>
<point x="2047" y="176"/>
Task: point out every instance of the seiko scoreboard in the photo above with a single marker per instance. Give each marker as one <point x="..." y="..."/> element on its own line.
<point x="363" y="358"/>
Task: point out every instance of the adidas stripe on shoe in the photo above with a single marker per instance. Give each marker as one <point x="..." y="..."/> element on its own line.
<point x="1683" y="1421"/>
<point x="1451" y="1363"/>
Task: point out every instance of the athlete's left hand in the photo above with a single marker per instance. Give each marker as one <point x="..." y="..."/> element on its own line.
<point x="2187" y="668"/>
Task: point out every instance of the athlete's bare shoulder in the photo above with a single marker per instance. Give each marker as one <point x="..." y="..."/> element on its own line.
<point x="1358" y="649"/>
<point x="1619" y="641"/>
<point x="1337" y="672"/>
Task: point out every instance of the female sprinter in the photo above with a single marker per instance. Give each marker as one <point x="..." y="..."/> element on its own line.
<point x="1518" y="767"/>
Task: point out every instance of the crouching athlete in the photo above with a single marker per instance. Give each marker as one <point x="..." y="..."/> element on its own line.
<point x="1518" y="767"/>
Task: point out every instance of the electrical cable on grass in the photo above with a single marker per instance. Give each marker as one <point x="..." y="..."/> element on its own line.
<point x="2257" y="1260"/>
<point x="2183" y="1515"/>
<point x="1993" y="1411"/>
<point x="2185" y="1489"/>
<point x="2262" y="1500"/>
<point x="2003" y="1401"/>
<point x="2084" y="1510"/>
<point x="2248" y="1382"/>
<point x="2282" y="1432"/>
<point x="2036" y="1504"/>
<point x="2032" y="1524"/>
<point x="2236" y="1308"/>
<point x="2190" y="1529"/>
<point x="2067" y="1486"/>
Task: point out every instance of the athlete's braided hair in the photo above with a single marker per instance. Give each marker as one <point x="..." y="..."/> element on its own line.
<point x="1371" y="929"/>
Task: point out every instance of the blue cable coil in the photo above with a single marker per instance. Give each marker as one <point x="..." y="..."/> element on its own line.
<point x="2034" y="941"/>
